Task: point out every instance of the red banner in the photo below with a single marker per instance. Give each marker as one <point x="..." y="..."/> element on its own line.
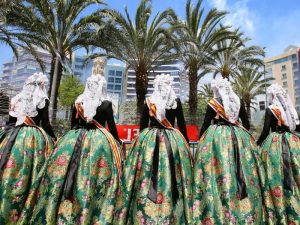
<point x="130" y="132"/>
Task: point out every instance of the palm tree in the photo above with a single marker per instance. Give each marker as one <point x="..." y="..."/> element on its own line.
<point x="196" y="36"/>
<point x="141" y="42"/>
<point x="248" y="83"/>
<point x="232" y="53"/>
<point x="206" y="91"/>
<point x="57" y="27"/>
<point x="5" y="33"/>
<point x="4" y="37"/>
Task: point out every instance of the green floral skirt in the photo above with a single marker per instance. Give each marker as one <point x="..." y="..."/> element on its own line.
<point x="76" y="187"/>
<point x="25" y="158"/>
<point x="156" y="183"/>
<point x="228" y="178"/>
<point x="280" y="154"/>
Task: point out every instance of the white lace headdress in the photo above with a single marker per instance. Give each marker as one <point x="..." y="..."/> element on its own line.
<point x="93" y="96"/>
<point x="164" y="96"/>
<point x="278" y="97"/>
<point x="32" y="96"/>
<point x="231" y="102"/>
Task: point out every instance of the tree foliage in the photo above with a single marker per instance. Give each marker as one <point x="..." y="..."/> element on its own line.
<point x="69" y="90"/>
<point x="201" y="109"/>
<point x="231" y="54"/>
<point x="206" y="91"/>
<point x="196" y="35"/>
<point x="249" y="83"/>
<point x="142" y="42"/>
<point x="128" y="113"/>
<point x="56" y="26"/>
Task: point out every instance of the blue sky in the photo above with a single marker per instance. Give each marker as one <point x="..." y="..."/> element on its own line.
<point x="273" y="24"/>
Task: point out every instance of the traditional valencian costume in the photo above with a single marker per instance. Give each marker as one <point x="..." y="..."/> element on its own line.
<point x="227" y="176"/>
<point x="80" y="182"/>
<point x="280" y="153"/>
<point x="156" y="183"/>
<point x="24" y="146"/>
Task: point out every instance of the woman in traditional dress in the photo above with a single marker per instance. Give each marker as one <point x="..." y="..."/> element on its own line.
<point x="227" y="175"/>
<point x="156" y="183"/>
<point x="80" y="182"/>
<point x="280" y="154"/>
<point x="24" y="146"/>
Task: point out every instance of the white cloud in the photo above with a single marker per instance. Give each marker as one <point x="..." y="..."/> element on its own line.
<point x="239" y="15"/>
<point x="220" y="4"/>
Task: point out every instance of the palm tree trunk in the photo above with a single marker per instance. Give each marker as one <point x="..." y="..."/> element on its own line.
<point x="55" y="86"/>
<point x="51" y="73"/>
<point x="67" y="114"/>
<point x="193" y="100"/>
<point x="141" y="88"/>
<point x="248" y="109"/>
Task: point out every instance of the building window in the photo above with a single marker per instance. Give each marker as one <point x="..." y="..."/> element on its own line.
<point x="78" y="67"/>
<point x="283" y="68"/>
<point x="294" y="57"/>
<point x="111" y="72"/>
<point x="285" y="59"/>
<point x="131" y="91"/>
<point x="296" y="75"/>
<point x="284" y="84"/>
<point x="269" y="71"/>
<point x="262" y="106"/>
<point x="131" y="85"/>
<point x="283" y="76"/>
<point x="110" y="87"/>
<point x="119" y="80"/>
<point x="295" y="65"/>
<point x="117" y="87"/>
<point x="111" y="79"/>
<point x="119" y="73"/>
<point x="78" y="74"/>
<point x="79" y="60"/>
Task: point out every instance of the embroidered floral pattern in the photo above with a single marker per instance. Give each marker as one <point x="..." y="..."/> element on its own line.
<point x="215" y="182"/>
<point x="286" y="202"/>
<point x="135" y="207"/>
<point x="20" y="171"/>
<point x="95" y="189"/>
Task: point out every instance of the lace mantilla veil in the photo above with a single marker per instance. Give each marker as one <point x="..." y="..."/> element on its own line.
<point x="164" y="96"/>
<point x="222" y="89"/>
<point x="93" y="96"/>
<point x="278" y="97"/>
<point x="32" y="96"/>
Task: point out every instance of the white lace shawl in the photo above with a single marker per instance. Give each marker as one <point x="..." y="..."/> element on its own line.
<point x="163" y="96"/>
<point x="32" y="96"/>
<point x="279" y="98"/>
<point x="231" y="102"/>
<point x="93" y="95"/>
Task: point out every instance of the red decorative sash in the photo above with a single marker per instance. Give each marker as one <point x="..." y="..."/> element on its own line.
<point x="165" y="122"/>
<point x="109" y="137"/>
<point x="152" y="112"/>
<point x="30" y="122"/>
<point x="277" y="113"/>
<point x="219" y="109"/>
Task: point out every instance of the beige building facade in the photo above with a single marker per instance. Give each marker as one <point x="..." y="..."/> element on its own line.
<point x="286" y="71"/>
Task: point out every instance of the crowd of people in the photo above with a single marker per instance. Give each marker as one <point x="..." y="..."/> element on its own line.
<point x="84" y="177"/>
